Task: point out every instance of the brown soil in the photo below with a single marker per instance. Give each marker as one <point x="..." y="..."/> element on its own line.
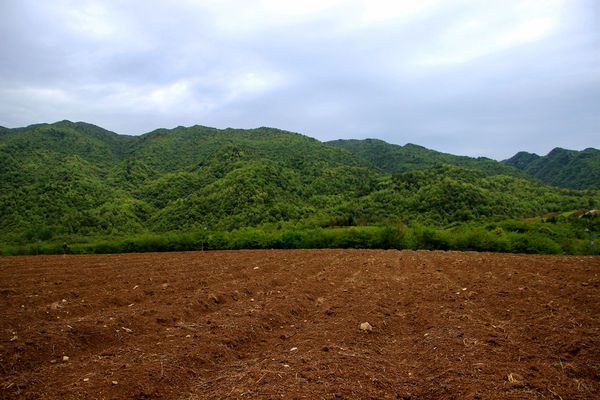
<point x="286" y="324"/>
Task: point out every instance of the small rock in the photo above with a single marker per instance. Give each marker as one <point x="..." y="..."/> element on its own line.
<point x="286" y="366"/>
<point x="293" y="349"/>
<point x="65" y="358"/>
<point x="86" y="379"/>
<point x="256" y="268"/>
<point x="365" y="326"/>
<point x="115" y="382"/>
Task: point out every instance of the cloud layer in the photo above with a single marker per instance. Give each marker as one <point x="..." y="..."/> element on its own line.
<point x="464" y="76"/>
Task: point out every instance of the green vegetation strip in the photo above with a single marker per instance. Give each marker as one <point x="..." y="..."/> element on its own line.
<point x="506" y="236"/>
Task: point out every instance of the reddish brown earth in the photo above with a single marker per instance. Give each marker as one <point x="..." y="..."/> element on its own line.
<point x="285" y="324"/>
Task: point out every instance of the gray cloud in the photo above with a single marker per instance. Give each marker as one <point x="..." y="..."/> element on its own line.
<point x="467" y="77"/>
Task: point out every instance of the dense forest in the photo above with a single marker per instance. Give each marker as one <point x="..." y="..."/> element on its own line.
<point x="565" y="168"/>
<point x="199" y="187"/>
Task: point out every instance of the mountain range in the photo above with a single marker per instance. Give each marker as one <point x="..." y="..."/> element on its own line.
<point x="64" y="179"/>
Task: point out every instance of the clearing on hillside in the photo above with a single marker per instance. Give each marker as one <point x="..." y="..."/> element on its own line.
<point x="291" y="324"/>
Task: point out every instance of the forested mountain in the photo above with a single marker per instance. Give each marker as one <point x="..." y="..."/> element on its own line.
<point x="521" y="160"/>
<point x="392" y="158"/>
<point x="67" y="178"/>
<point x="71" y="180"/>
<point x="564" y="168"/>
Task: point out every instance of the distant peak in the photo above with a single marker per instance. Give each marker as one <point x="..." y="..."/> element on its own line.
<point x="525" y="153"/>
<point x="559" y="151"/>
<point x="412" y="146"/>
<point x="522" y="159"/>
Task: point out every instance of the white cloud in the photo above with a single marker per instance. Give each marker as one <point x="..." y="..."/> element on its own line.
<point x="166" y="98"/>
<point x="249" y="84"/>
<point x="238" y="17"/>
<point x="373" y="12"/>
<point x="484" y="32"/>
<point x="41" y="94"/>
<point x="90" y="19"/>
<point x="338" y="16"/>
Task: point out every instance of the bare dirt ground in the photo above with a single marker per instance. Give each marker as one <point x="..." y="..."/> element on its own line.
<point x="285" y="324"/>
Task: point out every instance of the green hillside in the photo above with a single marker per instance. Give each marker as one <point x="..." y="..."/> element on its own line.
<point x="392" y="158"/>
<point x="445" y="194"/>
<point x="75" y="178"/>
<point x="77" y="182"/>
<point x="564" y="168"/>
<point x="521" y="160"/>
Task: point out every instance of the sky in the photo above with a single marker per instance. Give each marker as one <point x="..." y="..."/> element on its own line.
<point x="470" y="77"/>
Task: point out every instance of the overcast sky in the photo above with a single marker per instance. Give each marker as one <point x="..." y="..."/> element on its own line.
<point x="480" y="78"/>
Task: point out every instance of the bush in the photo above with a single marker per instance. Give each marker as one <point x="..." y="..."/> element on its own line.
<point x="479" y="239"/>
<point x="431" y="239"/>
<point x="534" y="244"/>
<point x="394" y="237"/>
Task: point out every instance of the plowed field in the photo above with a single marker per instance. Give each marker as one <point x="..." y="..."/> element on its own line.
<point x="285" y="324"/>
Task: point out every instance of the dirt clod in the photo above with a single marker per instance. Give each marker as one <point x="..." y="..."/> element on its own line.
<point x="365" y="326"/>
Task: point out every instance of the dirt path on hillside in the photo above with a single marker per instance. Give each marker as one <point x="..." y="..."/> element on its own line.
<point x="285" y="324"/>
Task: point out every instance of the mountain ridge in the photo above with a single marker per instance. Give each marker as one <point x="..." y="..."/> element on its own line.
<point x="78" y="179"/>
<point x="393" y="158"/>
<point x="332" y="142"/>
<point x="561" y="167"/>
